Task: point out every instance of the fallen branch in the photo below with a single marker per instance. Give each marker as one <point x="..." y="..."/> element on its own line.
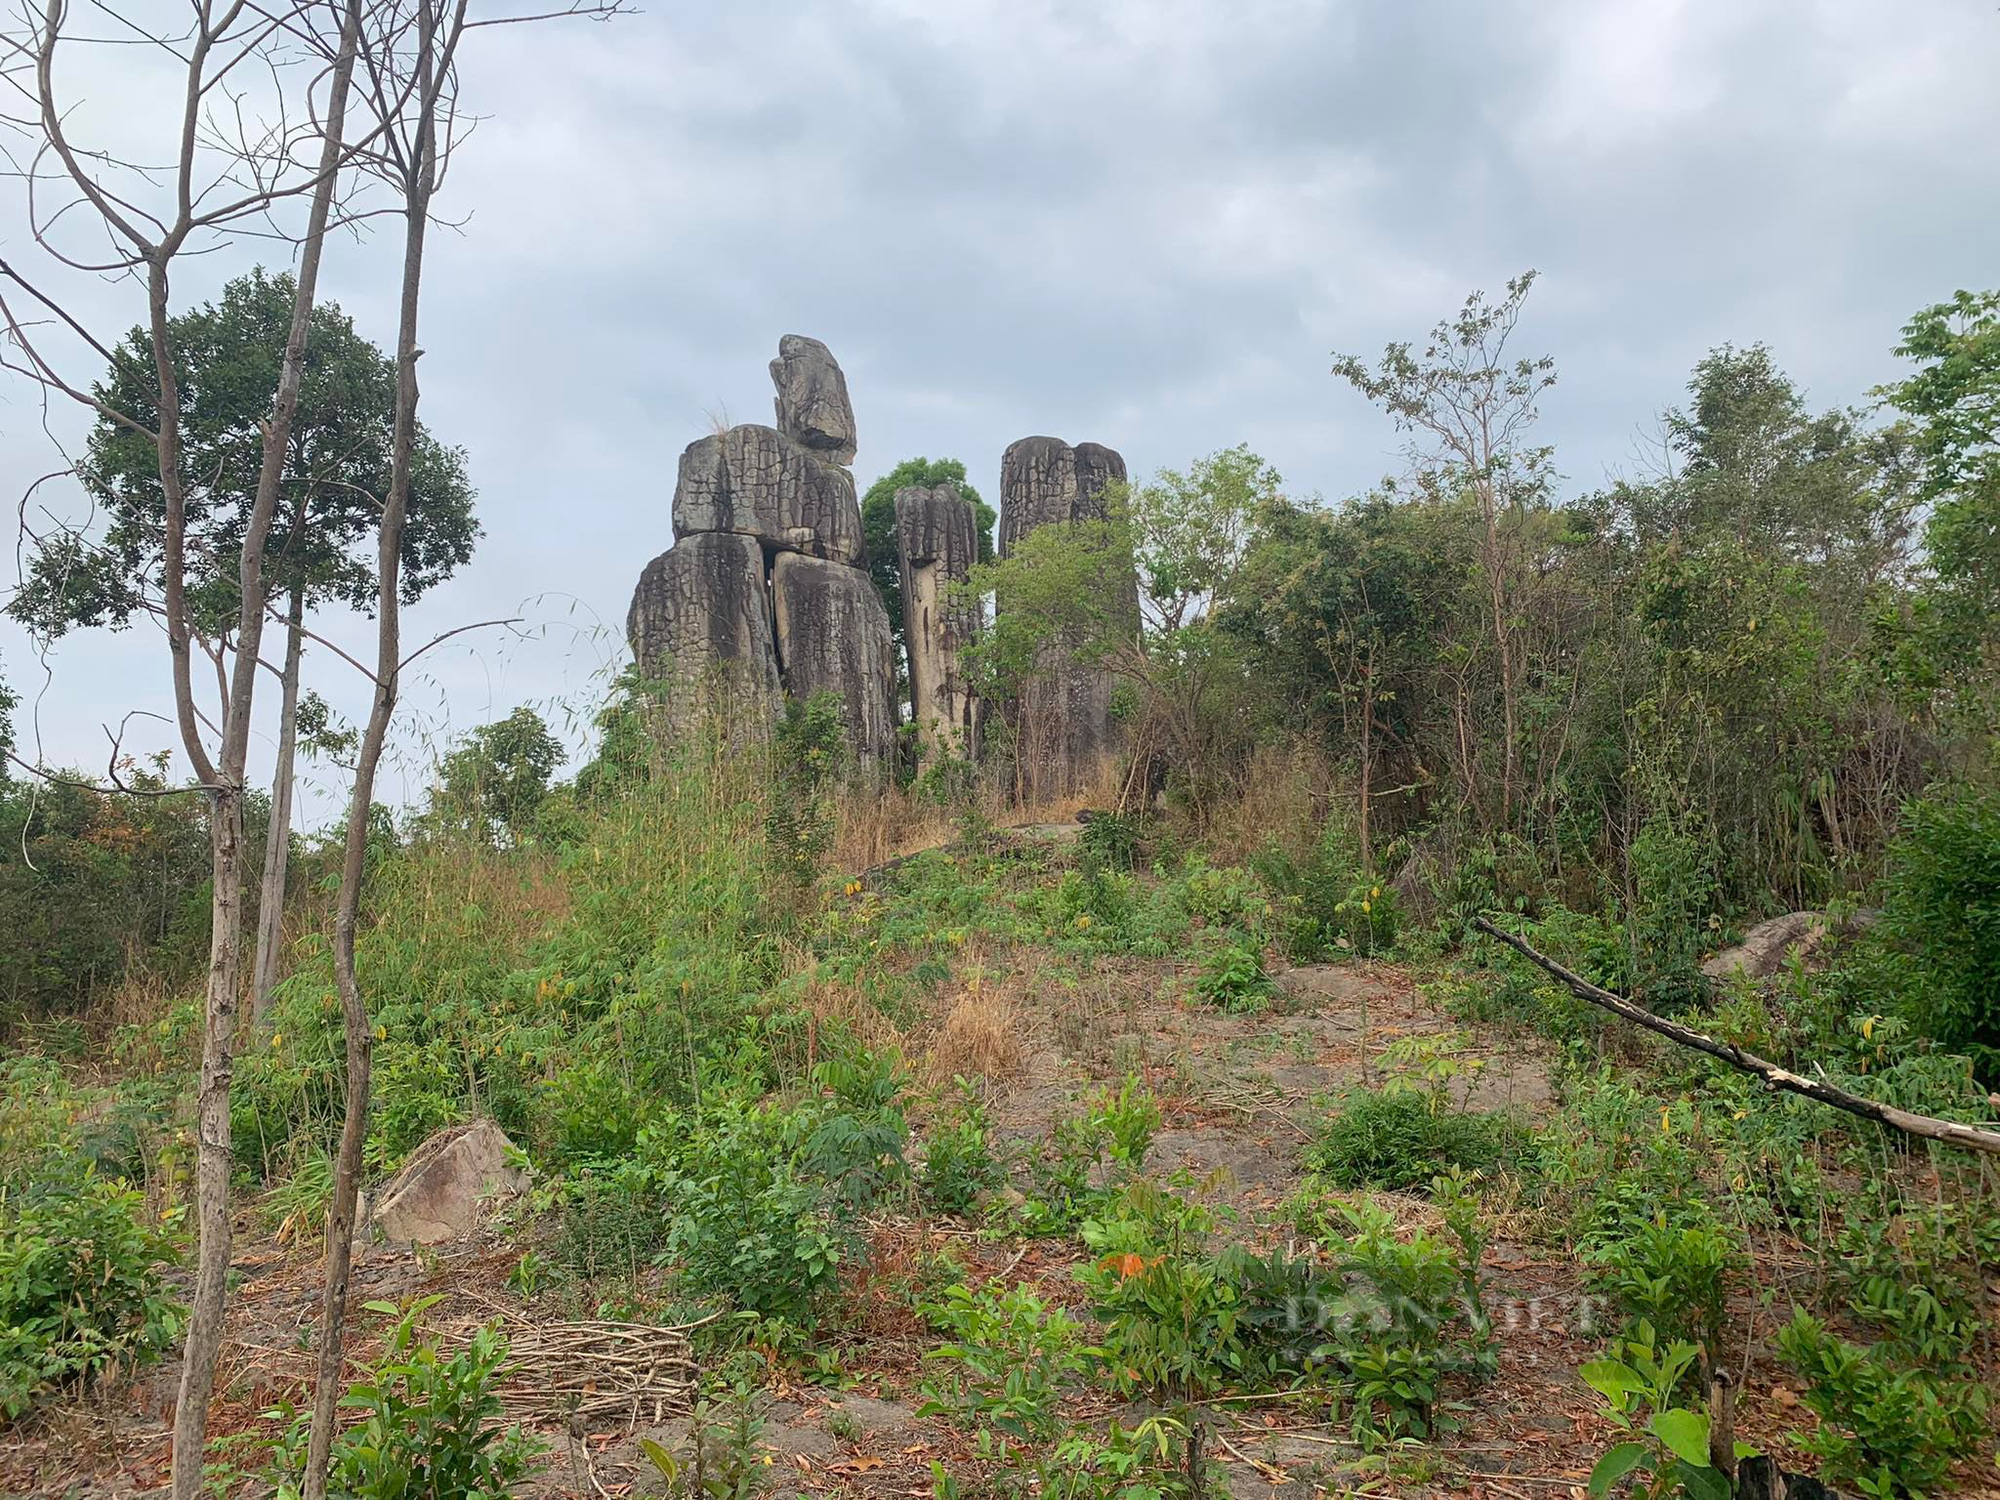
<point x="1949" y="1131"/>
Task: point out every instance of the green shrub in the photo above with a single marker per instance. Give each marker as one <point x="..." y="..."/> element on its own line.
<point x="81" y="1290"/>
<point x="1111" y="840"/>
<point x="1674" y="887"/>
<point x="1232" y="978"/>
<point x="744" y="1224"/>
<point x="1328" y="904"/>
<point x="1168" y="1306"/>
<point x="1884" y="1431"/>
<point x="958" y="1158"/>
<point x="1401" y="1138"/>
<point x="429" y="1423"/>
<point x="1942" y="909"/>
<point x="1673" y="1275"/>
<point x="1090" y="1156"/>
<point x="1638" y="1381"/>
<point x="1400" y="1316"/>
<point x="1010" y="1357"/>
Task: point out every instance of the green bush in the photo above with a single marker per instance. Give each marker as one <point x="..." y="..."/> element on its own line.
<point x="1168" y="1306"/>
<point x="1232" y="978"/>
<point x="1091" y="1155"/>
<point x="1401" y="1138"/>
<point x="1010" y="1357"/>
<point x="958" y="1158"/>
<point x="429" y="1424"/>
<point x="1672" y="1275"/>
<point x="1398" y="1317"/>
<point x="744" y="1223"/>
<point x="1942" y="909"/>
<point x="1884" y="1431"/>
<point x="81" y="1291"/>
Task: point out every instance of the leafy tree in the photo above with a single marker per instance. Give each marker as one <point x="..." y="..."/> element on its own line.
<point x="495" y="782"/>
<point x="336" y="473"/>
<point x="1468" y="406"/>
<point x="94" y="885"/>
<point x="1953" y="403"/>
<point x="319" y="550"/>
<point x="7" y="702"/>
<point x="1189" y="530"/>
<point x="878" y="531"/>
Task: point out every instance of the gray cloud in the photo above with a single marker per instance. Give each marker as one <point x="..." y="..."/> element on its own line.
<point x="1147" y="224"/>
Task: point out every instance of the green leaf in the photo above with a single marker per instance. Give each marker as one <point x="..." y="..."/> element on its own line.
<point x="1615" y="1465"/>
<point x="1701" y="1482"/>
<point x="1684" y="1432"/>
<point x="1612" y="1379"/>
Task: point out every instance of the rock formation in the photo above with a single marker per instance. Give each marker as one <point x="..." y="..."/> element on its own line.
<point x="813" y="409"/>
<point x="701" y="619"/>
<point x="833" y="637"/>
<point x="1063" y="732"/>
<point x="757" y="482"/>
<point x="763" y="593"/>
<point x="937" y="544"/>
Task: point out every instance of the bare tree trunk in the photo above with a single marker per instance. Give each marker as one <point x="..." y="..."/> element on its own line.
<point x="1367" y="761"/>
<point x="214" y="1158"/>
<point x="418" y="171"/>
<point x="278" y="837"/>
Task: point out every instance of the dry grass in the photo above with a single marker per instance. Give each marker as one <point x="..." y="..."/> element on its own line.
<point x="1285" y="793"/>
<point x="980" y="1036"/>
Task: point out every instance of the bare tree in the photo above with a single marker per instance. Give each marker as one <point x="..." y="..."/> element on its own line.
<point x="409" y="67"/>
<point x="1472" y="404"/>
<point x="241" y="163"/>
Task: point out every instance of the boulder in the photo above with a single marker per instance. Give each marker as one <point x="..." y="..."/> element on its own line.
<point x="1767" y="947"/>
<point x="937" y="544"/>
<point x="1063" y="733"/>
<point x="701" y="619"/>
<point x="444" y="1186"/>
<point x="833" y="637"/>
<point x="757" y="482"/>
<point x="813" y="409"/>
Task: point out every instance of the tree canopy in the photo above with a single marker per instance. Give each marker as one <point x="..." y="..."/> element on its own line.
<point x="878" y="530"/>
<point x="335" y="481"/>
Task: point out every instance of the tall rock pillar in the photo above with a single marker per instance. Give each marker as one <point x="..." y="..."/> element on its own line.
<point x="1064" y="739"/>
<point x="937" y="544"/>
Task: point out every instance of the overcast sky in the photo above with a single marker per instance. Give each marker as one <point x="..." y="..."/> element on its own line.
<point x="1147" y="223"/>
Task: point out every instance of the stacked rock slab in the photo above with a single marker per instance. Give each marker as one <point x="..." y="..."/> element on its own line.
<point x="1062" y="721"/>
<point x="764" y="593"/>
<point x="937" y="544"/>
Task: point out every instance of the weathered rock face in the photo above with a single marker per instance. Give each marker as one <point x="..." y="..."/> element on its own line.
<point x="833" y="637"/>
<point x="1063" y="733"/>
<point x="937" y="544"/>
<point x="757" y="482"/>
<point x="762" y="593"/>
<point x="701" y="619"/>
<point x="449" y="1178"/>
<point x="812" y="403"/>
<point x="1037" y="485"/>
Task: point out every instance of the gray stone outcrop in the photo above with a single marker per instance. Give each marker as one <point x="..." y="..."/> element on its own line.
<point x="937" y="545"/>
<point x="833" y="637"/>
<point x="763" y="593"/>
<point x="757" y="482"/>
<point x="1063" y="732"/>
<point x="701" y="620"/>
<point x="813" y="409"/>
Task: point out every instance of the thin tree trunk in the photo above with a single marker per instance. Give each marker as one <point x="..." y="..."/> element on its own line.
<point x="278" y="837"/>
<point x="420" y="180"/>
<point x="1367" y="763"/>
<point x="214" y="1158"/>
